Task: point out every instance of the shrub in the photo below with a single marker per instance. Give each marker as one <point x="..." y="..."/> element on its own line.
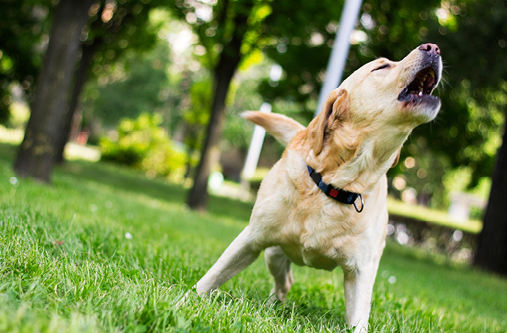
<point x="144" y="145"/>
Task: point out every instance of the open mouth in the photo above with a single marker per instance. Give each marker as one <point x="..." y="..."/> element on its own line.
<point x="419" y="90"/>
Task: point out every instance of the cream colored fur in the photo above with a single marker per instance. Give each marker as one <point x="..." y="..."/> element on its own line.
<point x="281" y="127"/>
<point x="352" y="143"/>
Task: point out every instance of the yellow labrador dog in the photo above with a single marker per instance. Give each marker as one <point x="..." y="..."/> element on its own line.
<point x="323" y="204"/>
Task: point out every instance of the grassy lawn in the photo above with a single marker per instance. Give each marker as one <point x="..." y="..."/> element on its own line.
<point x="418" y="212"/>
<point x="105" y="249"/>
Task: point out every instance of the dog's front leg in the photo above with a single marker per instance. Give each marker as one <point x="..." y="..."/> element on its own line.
<point x="358" y="285"/>
<point x="241" y="253"/>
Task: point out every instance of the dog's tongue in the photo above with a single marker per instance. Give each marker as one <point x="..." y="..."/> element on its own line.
<point x="430" y="80"/>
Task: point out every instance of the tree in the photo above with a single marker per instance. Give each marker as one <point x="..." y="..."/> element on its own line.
<point x="223" y="72"/>
<point x="23" y="25"/>
<point x="36" y="153"/>
<point x="113" y="28"/>
<point x="492" y="251"/>
<point x="130" y="92"/>
<point x="226" y="35"/>
<point x="196" y="117"/>
<point x="472" y="35"/>
<point x="80" y="77"/>
<point x="471" y="117"/>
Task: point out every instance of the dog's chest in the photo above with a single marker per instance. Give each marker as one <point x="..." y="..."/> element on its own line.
<point x="321" y="242"/>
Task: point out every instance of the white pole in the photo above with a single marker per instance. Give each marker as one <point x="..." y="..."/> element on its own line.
<point x="254" y="150"/>
<point x="340" y="51"/>
<point x="255" y="147"/>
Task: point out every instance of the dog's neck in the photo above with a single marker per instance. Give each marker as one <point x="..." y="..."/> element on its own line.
<point x="357" y="162"/>
<point x="372" y="160"/>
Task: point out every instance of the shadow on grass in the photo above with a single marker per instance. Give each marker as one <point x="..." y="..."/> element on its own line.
<point x="7" y="152"/>
<point x="128" y="180"/>
<point x="319" y="317"/>
<point x="295" y="313"/>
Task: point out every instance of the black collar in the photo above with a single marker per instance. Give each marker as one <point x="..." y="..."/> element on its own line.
<point x="337" y="194"/>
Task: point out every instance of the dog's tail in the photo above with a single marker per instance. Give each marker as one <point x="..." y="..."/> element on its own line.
<point x="281" y="127"/>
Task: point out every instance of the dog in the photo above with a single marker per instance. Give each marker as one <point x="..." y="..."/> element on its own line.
<point x="323" y="204"/>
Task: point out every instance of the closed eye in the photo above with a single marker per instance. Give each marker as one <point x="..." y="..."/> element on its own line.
<point x="382" y="67"/>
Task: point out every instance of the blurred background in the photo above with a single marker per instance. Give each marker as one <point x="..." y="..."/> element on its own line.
<point x="158" y="85"/>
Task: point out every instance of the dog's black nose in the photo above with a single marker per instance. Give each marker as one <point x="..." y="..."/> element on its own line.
<point x="431" y="49"/>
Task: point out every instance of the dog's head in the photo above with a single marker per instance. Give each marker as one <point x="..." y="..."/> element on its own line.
<point x="396" y="93"/>
<point x="384" y="99"/>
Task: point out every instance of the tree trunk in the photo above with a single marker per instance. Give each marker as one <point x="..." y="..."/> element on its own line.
<point x="36" y="153"/>
<point x="492" y="251"/>
<point x="223" y="73"/>
<point x="80" y="78"/>
<point x="210" y="152"/>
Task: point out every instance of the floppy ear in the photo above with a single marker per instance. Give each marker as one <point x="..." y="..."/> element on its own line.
<point x="397" y="159"/>
<point x="334" y="110"/>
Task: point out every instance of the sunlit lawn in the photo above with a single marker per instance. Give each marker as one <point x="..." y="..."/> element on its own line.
<point x="105" y="249"/>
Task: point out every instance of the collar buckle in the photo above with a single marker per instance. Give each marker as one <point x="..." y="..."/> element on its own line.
<point x="362" y="204"/>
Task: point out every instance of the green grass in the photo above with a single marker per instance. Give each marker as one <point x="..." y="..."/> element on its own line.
<point x="397" y="207"/>
<point x="66" y="265"/>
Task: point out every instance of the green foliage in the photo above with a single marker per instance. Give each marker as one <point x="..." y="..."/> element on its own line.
<point x="300" y="44"/>
<point x="114" y="28"/>
<point x="23" y="28"/>
<point x="106" y="250"/>
<point x="424" y="170"/>
<point x="238" y="131"/>
<point x="197" y="116"/>
<point x="144" y="145"/>
<point x="216" y="32"/>
<point x="471" y="35"/>
<point x="200" y="103"/>
<point x="139" y="85"/>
